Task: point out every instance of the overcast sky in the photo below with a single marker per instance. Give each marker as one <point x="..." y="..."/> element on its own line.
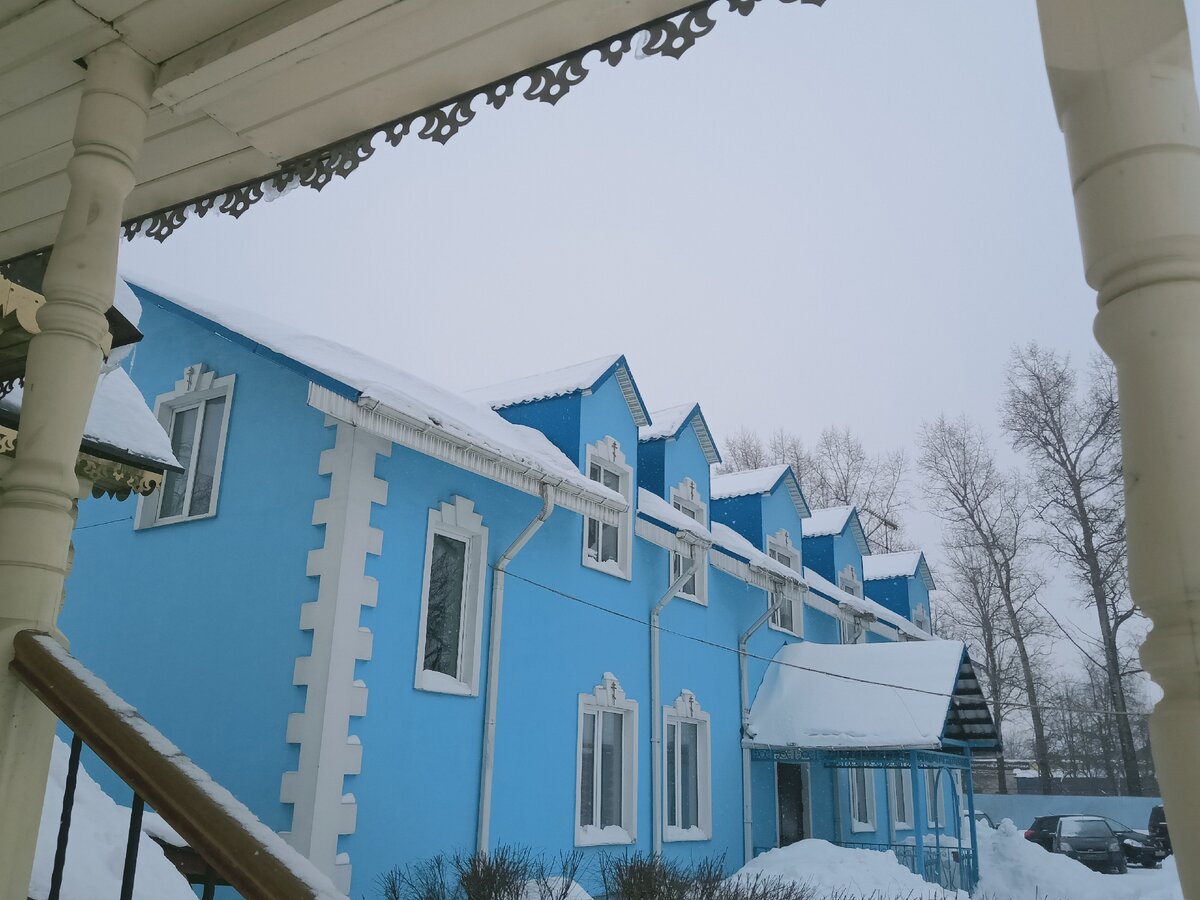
<point x="819" y="216"/>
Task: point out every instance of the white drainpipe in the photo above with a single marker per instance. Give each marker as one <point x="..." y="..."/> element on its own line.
<point x="656" y="800"/>
<point x="492" y="685"/>
<point x="744" y="684"/>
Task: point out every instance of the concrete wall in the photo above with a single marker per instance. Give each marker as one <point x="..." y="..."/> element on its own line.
<point x="1024" y="808"/>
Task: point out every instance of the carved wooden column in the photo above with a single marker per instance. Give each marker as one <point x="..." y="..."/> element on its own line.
<point x="63" y="365"/>
<point x="1121" y="75"/>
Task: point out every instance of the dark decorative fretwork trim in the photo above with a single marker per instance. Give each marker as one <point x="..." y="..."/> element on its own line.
<point x="672" y="35"/>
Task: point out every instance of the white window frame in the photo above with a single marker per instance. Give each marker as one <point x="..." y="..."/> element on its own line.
<point x="856" y="824"/>
<point x="780" y="545"/>
<point x="198" y="386"/>
<point x="901" y="778"/>
<point x="457" y="520"/>
<point x="686" y="710"/>
<point x="685" y="497"/>
<point x="849" y="581"/>
<point x="940" y="797"/>
<point x="607" y="454"/>
<point x="608" y="696"/>
<point x="921" y="617"/>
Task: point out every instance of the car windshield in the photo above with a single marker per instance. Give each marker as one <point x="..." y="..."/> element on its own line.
<point x="1118" y="826"/>
<point x="1084" y="828"/>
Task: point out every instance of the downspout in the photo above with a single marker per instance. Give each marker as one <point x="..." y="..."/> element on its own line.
<point x="687" y="570"/>
<point x="492" y="685"/>
<point x="743" y="683"/>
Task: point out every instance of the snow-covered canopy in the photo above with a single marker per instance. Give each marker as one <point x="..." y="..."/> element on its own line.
<point x="760" y="481"/>
<point x="668" y="423"/>
<point x="397" y="390"/>
<point x="857" y="696"/>
<point x="901" y="564"/>
<point x="119" y="425"/>
<point x="584" y="376"/>
<point x="655" y="507"/>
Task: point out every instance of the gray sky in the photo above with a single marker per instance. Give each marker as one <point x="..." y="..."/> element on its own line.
<point x="819" y="216"/>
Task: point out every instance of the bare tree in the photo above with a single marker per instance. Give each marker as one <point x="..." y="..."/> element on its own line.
<point x="837" y="471"/>
<point x="986" y="509"/>
<point x="974" y="612"/>
<point x="1072" y="439"/>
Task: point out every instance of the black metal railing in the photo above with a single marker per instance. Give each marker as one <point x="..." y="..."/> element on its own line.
<point x="950" y="867"/>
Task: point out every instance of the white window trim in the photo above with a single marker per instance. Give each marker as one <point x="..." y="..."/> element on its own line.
<point x="460" y="521"/>
<point x="607" y="453"/>
<point x="852" y="626"/>
<point x="687" y="710"/>
<point x="781" y="542"/>
<point x="904" y="778"/>
<point x="855" y="824"/>
<point x="940" y="799"/>
<point x="197" y="385"/>
<point x="849" y="581"/>
<point x="687" y="494"/>
<point x="608" y="696"/>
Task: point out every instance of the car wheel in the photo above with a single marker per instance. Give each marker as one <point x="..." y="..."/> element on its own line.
<point x="1122" y="868"/>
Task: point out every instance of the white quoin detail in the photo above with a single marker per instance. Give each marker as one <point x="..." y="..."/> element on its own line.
<point x="321" y="813"/>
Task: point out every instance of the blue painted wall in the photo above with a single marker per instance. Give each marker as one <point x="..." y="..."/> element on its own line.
<point x="901" y="595"/>
<point x="1022" y="809"/>
<point x="557" y="418"/>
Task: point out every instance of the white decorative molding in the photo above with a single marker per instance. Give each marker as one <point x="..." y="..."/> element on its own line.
<point x="321" y="813"/>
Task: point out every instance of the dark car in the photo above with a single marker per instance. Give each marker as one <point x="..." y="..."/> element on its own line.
<point x="1158" y="827"/>
<point x="1087" y="839"/>
<point x="1141" y="848"/>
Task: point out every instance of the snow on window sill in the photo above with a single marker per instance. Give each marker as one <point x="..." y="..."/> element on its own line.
<point x="440" y="683"/>
<point x="861" y="826"/>
<point x="608" y="567"/>
<point x="903" y="826"/>
<point x="783" y="630"/>
<point x="695" y="833"/>
<point x="591" y="836"/>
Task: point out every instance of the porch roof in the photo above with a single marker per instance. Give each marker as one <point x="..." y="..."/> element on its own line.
<point x="254" y="97"/>
<point x="914" y="695"/>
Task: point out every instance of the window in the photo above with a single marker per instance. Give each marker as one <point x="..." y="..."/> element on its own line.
<point x="688" y="781"/>
<point x="786" y="617"/>
<point x="196" y="417"/>
<point x="849" y="582"/>
<point x="862" y="799"/>
<point x="606" y="802"/>
<point x="854" y="629"/>
<point x="901" y="798"/>
<point x="608" y="547"/>
<point x="921" y="617"/>
<point x="686" y="498"/>
<point x="935" y="798"/>
<point x="449" y="636"/>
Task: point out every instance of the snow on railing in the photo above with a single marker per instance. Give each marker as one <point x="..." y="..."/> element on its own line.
<point x="246" y="854"/>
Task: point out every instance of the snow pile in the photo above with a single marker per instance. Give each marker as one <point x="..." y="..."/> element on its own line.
<point x="856" y="695"/>
<point x="534" y="890"/>
<point x="96" y="846"/>
<point x="666" y="423"/>
<point x="830" y="869"/>
<point x="901" y="564"/>
<point x="1012" y="868"/>
<point x="824" y="522"/>
<point x="747" y="481"/>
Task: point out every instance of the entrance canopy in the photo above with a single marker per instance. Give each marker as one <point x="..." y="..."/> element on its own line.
<point x="908" y="695"/>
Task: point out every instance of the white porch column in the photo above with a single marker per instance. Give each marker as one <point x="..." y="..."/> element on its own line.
<point x="63" y="365"/>
<point x="1121" y="75"/>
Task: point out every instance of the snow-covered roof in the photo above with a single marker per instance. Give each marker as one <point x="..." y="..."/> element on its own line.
<point x="901" y="564"/>
<point x="833" y="520"/>
<point x="655" y="507"/>
<point x="728" y="539"/>
<point x="831" y="591"/>
<point x="668" y="423"/>
<point x="120" y="425"/>
<point x="760" y="481"/>
<point x="584" y="376"/>
<point x="857" y="696"/>
<point x="378" y="383"/>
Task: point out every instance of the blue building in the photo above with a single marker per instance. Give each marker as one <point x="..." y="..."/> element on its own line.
<point x="397" y="621"/>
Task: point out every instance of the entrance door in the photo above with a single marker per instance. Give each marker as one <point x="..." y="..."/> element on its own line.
<point x="789" y="799"/>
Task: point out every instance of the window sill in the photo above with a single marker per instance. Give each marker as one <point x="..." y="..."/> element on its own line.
<point x="696" y="833"/>
<point x="859" y="827"/>
<point x="174" y="520"/>
<point x="591" y="836"/>
<point x="771" y="625"/>
<point x="440" y="683"/>
<point x="902" y="826"/>
<point x="607" y="568"/>
<point x="690" y="598"/>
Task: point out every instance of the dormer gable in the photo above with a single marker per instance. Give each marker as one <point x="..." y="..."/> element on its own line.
<point x="569" y="405"/>
<point x="834" y="541"/>
<point x="901" y="581"/>
<point x="676" y="446"/>
<point x="758" y="502"/>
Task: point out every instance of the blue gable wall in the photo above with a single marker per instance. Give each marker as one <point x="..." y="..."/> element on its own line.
<point x="685" y="459"/>
<point x="742" y="514"/>
<point x="211" y="607"/>
<point x="652" y="466"/>
<point x="901" y="595"/>
<point x="828" y="555"/>
<point x="557" y="418"/>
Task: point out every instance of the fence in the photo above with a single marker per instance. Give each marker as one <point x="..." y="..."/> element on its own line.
<point x="949" y="867"/>
<point x="1024" y="808"/>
